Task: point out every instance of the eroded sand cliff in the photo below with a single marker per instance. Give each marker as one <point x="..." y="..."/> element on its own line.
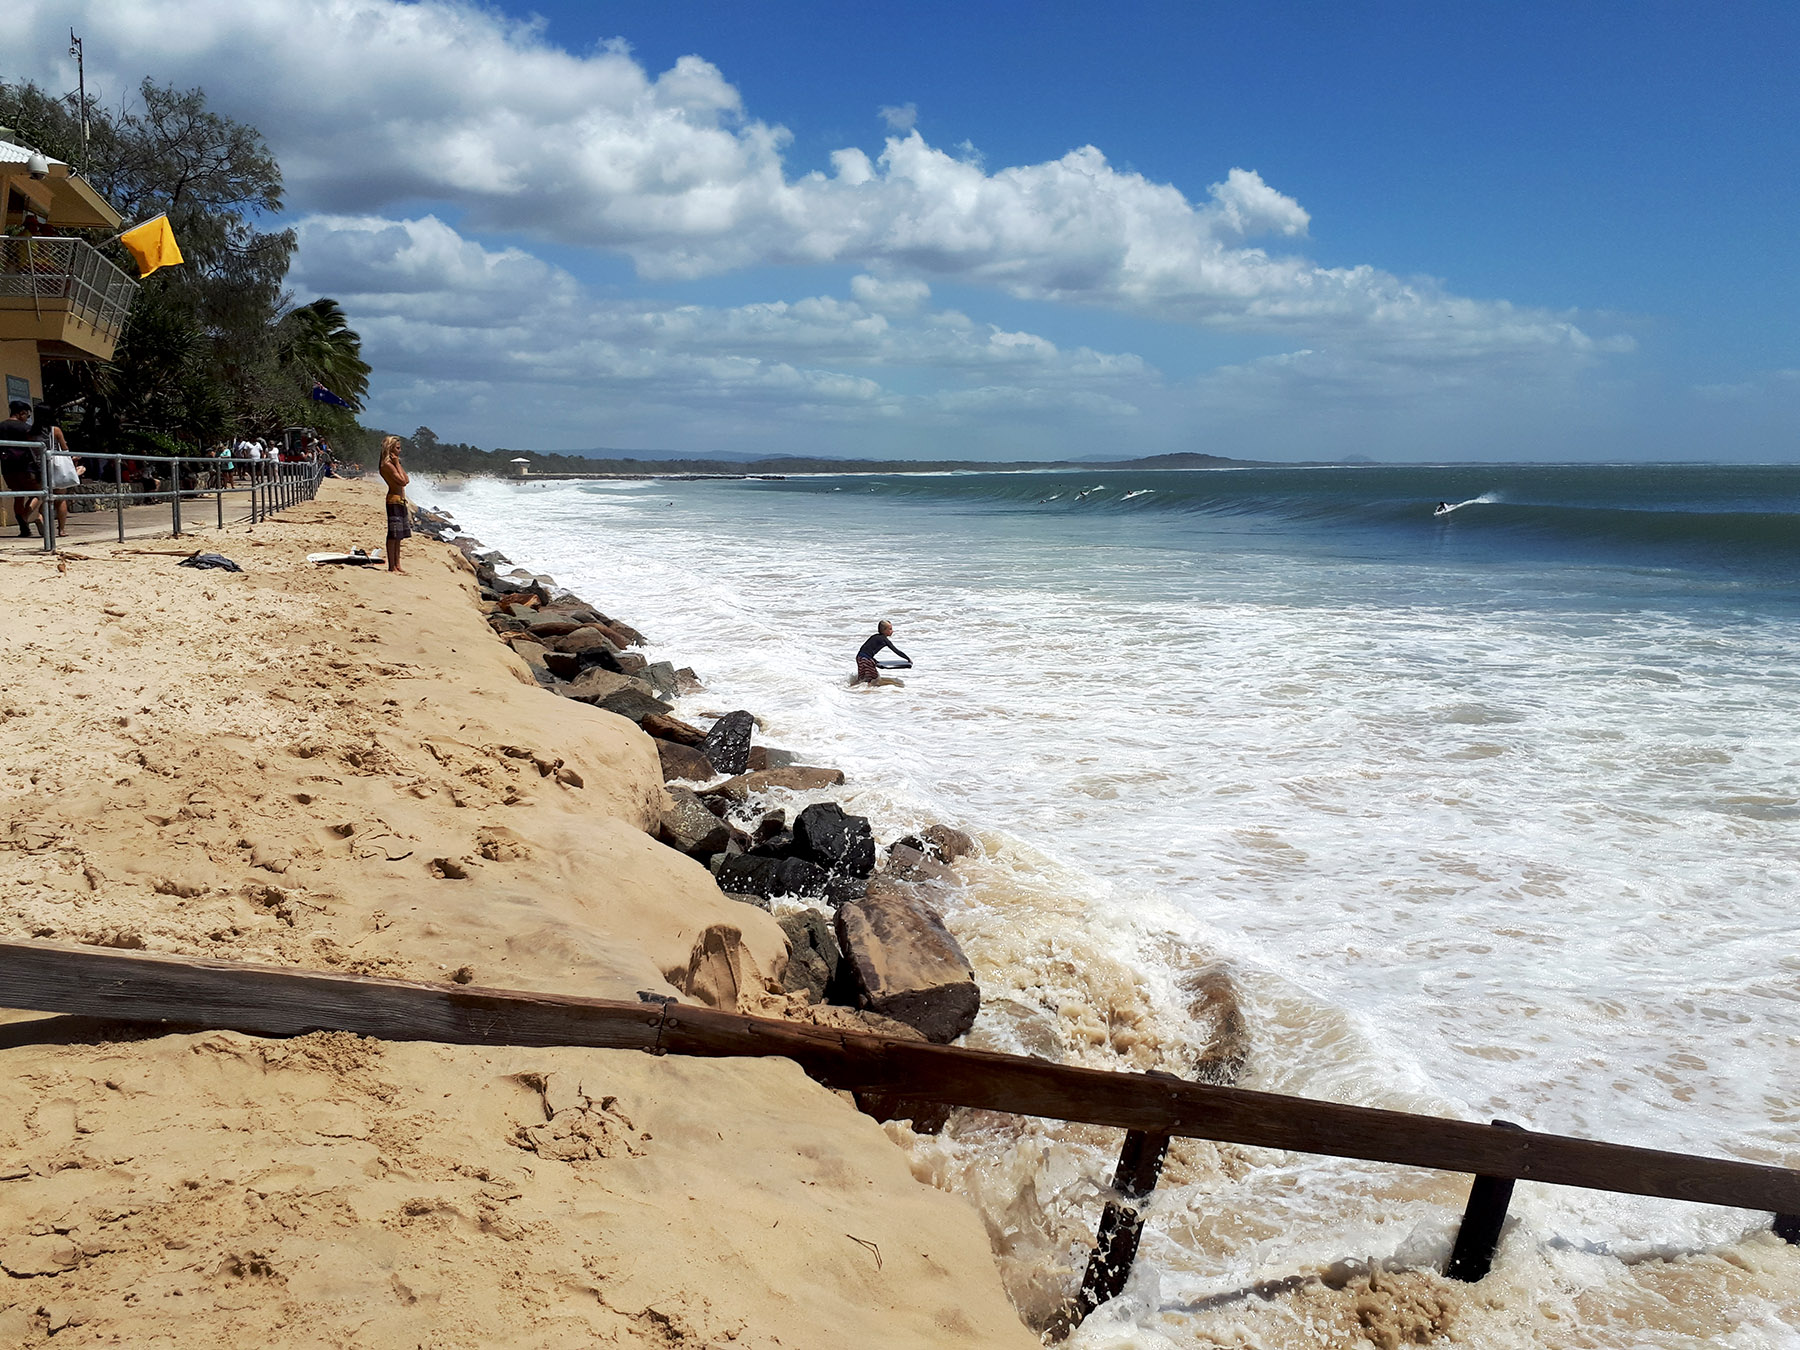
<point x="340" y="769"/>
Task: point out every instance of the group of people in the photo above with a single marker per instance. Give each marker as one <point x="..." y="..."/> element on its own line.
<point x="248" y="450"/>
<point x="21" y="464"/>
<point x="34" y="429"/>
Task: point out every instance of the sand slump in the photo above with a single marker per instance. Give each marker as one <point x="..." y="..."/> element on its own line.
<point x="1416" y="874"/>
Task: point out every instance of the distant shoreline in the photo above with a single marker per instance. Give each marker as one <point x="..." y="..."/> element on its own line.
<point x="545" y="467"/>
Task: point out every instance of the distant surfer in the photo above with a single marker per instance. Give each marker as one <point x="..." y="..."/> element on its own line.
<point x="1443" y="509"/>
<point x="868" y="670"/>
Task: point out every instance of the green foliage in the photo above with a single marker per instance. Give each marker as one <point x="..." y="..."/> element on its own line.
<point x="212" y="348"/>
<point x="317" y="338"/>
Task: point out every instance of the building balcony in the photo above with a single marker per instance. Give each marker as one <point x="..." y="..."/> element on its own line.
<point x="63" y="295"/>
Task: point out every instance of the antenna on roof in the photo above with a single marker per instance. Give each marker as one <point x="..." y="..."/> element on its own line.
<point x="81" y="84"/>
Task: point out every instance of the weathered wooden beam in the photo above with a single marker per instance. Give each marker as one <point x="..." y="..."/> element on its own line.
<point x="1484" y="1216"/>
<point x="279" y="1001"/>
<point x="1121" y="1222"/>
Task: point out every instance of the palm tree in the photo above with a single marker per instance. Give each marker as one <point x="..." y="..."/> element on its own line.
<point x="318" y="339"/>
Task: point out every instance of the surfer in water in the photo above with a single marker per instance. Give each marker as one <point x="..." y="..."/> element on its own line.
<point x="867" y="669"/>
<point x="1443" y="509"/>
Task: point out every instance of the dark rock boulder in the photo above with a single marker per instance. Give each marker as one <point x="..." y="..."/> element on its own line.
<point x="615" y="693"/>
<point x="1214" y="1003"/>
<point x="599" y="656"/>
<point x="673" y="729"/>
<point x="687" y="682"/>
<point x="727" y="745"/>
<point x="534" y="654"/>
<point x="683" y="761"/>
<point x="771" y="824"/>
<point x="777" y="845"/>
<point x="688" y="827"/>
<point x="813" y="956"/>
<point x="767" y="757"/>
<point x="509" y="588"/>
<point x="800" y="778"/>
<point x="909" y="864"/>
<point x="590" y="638"/>
<point x="844" y="888"/>
<point x="660" y="676"/>
<point x="770" y="876"/>
<point x="907" y="965"/>
<point x="505" y="623"/>
<point x="563" y="665"/>
<point x="632" y="663"/>
<point x="944" y="843"/>
<point x="841" y="843"/>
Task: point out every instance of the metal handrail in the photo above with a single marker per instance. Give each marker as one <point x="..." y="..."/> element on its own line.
<point x="98" y="293"/>
<point x="272" y="485"/>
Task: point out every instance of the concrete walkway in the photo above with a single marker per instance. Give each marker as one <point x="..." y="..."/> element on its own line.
<point x="199" y="516"/>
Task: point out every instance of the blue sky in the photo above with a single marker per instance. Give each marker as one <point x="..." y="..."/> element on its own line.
<point x="1435" y="231"/>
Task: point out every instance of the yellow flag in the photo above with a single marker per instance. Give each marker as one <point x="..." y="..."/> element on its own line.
<point x="152" y="244"/>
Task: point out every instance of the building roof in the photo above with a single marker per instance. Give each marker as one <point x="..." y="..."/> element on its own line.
<point x="62" y="196"/>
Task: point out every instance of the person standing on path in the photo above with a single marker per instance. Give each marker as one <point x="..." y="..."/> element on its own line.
<point x="65" y="473"/>
<point x="19" y="466"/>
<point x="393" y="473"/>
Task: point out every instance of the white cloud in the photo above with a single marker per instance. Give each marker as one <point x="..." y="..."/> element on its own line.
<point x="453" y="325"/>
<point x="443" y="101"/>
<point x="902" y="118"/>
<point x="899" y="296"/>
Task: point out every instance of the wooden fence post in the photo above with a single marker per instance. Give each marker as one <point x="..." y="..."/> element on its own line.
<point x="1121" y="1224"/>
<point x="1483" y="1218"/>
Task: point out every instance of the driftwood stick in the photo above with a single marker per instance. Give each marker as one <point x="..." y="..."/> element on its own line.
<point x="281" y="1001"/>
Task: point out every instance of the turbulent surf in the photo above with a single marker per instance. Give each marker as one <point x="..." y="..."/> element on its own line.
<point x="1486" y="817"/>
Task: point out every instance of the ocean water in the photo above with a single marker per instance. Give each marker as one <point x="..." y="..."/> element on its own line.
<point x="1493" y="814"/>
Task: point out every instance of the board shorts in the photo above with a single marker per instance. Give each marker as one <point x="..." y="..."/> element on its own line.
<point x="399" y="521"/>
<point x="866" y="669"/>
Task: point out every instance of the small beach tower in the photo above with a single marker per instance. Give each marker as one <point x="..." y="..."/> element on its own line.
<point x="521" y="467"/>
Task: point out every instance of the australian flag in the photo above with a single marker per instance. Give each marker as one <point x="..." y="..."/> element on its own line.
<point x="323" y="395"/>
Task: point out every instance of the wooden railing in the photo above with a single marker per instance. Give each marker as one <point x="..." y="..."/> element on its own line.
<point x="279" y="1001"/>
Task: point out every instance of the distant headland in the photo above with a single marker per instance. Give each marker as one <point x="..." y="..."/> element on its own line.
<point x="442" y="458"/>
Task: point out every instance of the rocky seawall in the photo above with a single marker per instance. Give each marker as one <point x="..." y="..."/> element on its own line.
<point x="340" y="768"/>
<point x="863" y="938"/>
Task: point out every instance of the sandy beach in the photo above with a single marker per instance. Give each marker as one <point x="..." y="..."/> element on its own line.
<point x="340" y="769"/>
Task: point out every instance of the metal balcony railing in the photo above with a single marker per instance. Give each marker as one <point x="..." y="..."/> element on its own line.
<point x="67" y="271"/>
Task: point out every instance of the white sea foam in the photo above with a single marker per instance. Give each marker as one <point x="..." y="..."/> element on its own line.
<point x="1532" y="862"/>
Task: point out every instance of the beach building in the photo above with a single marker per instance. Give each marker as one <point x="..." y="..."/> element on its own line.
<point x="521" y="467"/>
<point x="59" y="296"/>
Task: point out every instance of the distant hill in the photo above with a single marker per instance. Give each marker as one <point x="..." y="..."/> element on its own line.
<point x="427" y="454"/>
<point x="611" y="454"/>
<point x="1180" y="461"/>
<point x="469" y="460"/>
